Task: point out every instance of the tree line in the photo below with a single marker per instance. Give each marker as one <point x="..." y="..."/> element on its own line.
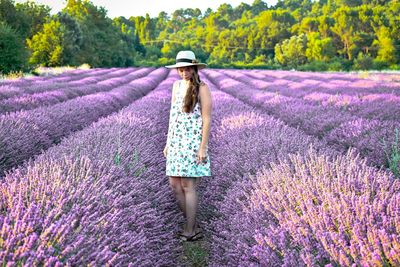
<point x="300" y="34"/>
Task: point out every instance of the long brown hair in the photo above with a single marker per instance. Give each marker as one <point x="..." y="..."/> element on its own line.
<point x="192" y="95"/>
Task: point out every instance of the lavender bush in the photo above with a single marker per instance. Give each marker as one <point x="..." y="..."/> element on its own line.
<point x="72" y="90"/>
<point x="324" y="122"/>
<point x="24" y="134"/>
<point x="361" y="98"/>
<point x="243" y="141"/>
<point x="77" y="205"/>
<point x="279" y="196"/>
<point x="313" y="210"/>
<point x="253" y="228"/>
<point x="334" y="83"/>
<point x="33" y="85"/>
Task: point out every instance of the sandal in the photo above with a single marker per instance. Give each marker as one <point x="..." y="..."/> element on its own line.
<point x="197" y="227"/>
<point x="194" y="237"/>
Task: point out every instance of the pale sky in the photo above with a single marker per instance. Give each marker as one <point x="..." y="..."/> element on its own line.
<point x="128" y="8"/>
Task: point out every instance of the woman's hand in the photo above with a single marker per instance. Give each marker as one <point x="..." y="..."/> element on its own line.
<point x="201" y="155"/>
<point x="165" y="151"/>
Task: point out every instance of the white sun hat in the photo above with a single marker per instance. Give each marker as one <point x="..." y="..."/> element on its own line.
<point x="186" y="58"/>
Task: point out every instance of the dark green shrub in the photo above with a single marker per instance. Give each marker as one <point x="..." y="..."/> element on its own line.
<point x="314" y="66"/>
<point x="380" y="65"/>
<point x="13" y="55"/>
<point x="363" y="62"/>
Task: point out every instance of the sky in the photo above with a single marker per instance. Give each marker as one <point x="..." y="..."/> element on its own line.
<point x="126" y="8"/>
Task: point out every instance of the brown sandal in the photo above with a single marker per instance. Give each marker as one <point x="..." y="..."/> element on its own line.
<point x="194" y="237"/>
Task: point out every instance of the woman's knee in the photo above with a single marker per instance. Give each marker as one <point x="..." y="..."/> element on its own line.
<point x="175" y="184"/>
<point x="188" y="184"/>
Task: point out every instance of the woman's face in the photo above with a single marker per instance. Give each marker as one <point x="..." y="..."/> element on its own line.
<point x="186" y="72"/>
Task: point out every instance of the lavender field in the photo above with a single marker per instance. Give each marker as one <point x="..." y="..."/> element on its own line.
<point x="305" y="169"/>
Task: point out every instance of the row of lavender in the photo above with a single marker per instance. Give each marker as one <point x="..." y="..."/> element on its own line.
<point x="52" y="92"/>
<point x="98" y="198"/>
<point x="372" y="138"/>
<point x="62" y="77"/>
<point x="277" y="199"/>
<point x="336" y="83"/>
<point x="19" y="87"/>
<point x="366" y="99"/>
<point x="26" y="133"/>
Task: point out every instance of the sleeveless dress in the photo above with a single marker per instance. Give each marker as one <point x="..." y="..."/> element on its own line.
<point x="184" y="138"/>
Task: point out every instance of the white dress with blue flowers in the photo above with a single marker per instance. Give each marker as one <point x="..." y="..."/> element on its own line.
<point x="184" y="138"/>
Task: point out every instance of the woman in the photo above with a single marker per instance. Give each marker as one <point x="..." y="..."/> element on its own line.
<point x="187" y="142"/>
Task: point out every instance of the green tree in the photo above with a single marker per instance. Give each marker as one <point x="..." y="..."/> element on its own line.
<point x="319" y="49"/>
<point x="13" y="54"/>
<point x="47" y="45"/>
<point x="258" y="6"/>
<point x="225" y="15"/>
<point x="324" y="25"/>
<point x="346" y="21"/>
<point x="31" y="17"/>
<point x="211" y="28"/>
<point x="294" y="4"/>
<point x="102" y="42"/>
<point x="292" y="52"/>
<point x="386" y="47"/>
<point x="273" y="26"/>
<point x="308" y="25"/>
<point x="240" y="10"/>
<point x="8" y="13"/>
<point x="350" y="3"/>
<point x="161" y="22"/>
<point x="133" y="47"/>
<point x="58" y="43"/>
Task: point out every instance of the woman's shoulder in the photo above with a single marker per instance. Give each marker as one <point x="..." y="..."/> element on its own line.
<point x="203" y="86"/>
<point x="204" y="91"/>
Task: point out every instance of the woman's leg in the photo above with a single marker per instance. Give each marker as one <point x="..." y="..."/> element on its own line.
<point x="191" y="201"/>
<point x="175" y="183"/>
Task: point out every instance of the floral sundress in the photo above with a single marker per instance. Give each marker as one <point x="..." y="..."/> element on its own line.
<point x="184" y="138"/>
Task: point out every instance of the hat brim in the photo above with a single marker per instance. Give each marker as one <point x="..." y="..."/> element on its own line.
<point x="185" y="64"/>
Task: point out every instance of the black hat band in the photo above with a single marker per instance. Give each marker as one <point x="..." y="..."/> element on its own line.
<point x="186" y="60"/>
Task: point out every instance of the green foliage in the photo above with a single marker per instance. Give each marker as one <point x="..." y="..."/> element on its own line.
<point x="339" y="64"/>
<point x="8" y="13"/>
<point x="273" y="26"/>
<point x="392" y="153"/>
<point x="380" y="65"/>
<point x="316" y="65"/>
<point x="130" y="39"/>
<point x="26" y="18"/>
<point x="102" y="44"/>
<point x="306" y="34"/>
<point x="334" y="64"/>
<point x="47" y="45"/>
<point x="386" y="45"/>
<point x="346" y="21"/>
<point x="72" y="39"/>
<point x="153" y="53"/>
<point x="319" y="49"/>
<point x="31" y="17"/>
<point x="292" y="52"/>
<point x="57" y="43"/>
<point x="195" y="253"/>
<point x="363" y="62"/>
<point x="13" y="56"/>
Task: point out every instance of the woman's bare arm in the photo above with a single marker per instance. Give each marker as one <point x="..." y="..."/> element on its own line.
<point x="206" y="107"/>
